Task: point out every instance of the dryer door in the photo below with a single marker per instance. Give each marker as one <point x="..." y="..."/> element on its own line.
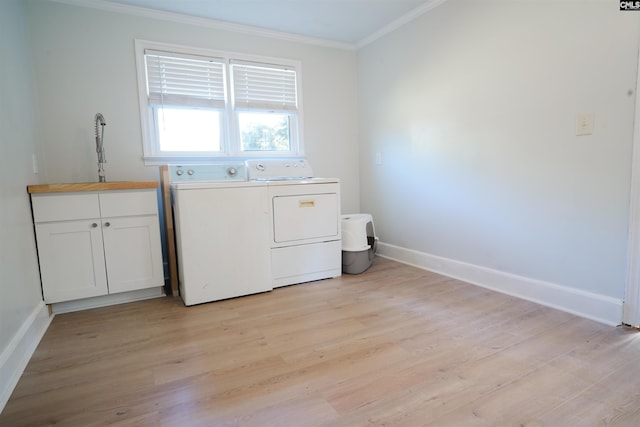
<point x="304" y="217"/>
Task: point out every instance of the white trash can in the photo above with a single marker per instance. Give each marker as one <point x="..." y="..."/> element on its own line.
<point x="359" y="243"/>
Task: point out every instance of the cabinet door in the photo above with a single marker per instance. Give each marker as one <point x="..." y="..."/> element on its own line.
<point x="132" y="253"/>
<point x="71" y="260"/>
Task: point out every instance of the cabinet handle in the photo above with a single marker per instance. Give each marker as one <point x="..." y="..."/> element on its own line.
<point x="94" y="225"/>
<point x="107" y="224"/>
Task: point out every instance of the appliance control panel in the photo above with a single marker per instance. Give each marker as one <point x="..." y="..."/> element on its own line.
<point x="213" y="172"/>
<point x="277" y="169"/>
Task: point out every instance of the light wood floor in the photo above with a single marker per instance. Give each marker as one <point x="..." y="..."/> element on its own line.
<point x="394" y="346"/>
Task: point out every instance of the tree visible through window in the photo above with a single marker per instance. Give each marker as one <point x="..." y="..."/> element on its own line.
<point x="264" y="132"/>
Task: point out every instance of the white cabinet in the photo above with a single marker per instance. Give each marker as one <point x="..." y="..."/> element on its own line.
<point x="97" y="243"/>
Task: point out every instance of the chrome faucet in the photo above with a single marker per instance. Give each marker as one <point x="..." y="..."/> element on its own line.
<point x="100" y="147"/>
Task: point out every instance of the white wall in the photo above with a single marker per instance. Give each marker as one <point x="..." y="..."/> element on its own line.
<point x="20" y="295"/>
<point x="84" y="62"/>
<point x="473" y="107"/>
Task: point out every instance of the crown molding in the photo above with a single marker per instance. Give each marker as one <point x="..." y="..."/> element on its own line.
<point x="415" y="13"/>
<point x="204" y="22"/>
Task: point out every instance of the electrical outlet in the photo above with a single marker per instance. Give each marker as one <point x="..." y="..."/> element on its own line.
<point x="584" y="124"/>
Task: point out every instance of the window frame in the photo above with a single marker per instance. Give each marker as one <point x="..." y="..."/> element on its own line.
<point x="230" y="144"/>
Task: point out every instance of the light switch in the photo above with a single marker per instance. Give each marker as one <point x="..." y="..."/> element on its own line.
<point x="378" y="158"/>
<point x="584" y="124"/>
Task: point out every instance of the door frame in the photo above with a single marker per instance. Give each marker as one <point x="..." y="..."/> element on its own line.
<point x="631" y="305"/>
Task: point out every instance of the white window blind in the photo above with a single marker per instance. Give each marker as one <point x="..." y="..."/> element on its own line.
<point x="184" y="80"/>
<point x="263" y="87"/>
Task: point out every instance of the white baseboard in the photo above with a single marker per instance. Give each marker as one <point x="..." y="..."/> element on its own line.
<point x="590" y="305"/>
<point x="107" y="300"/>
<point x="16" y="355"/>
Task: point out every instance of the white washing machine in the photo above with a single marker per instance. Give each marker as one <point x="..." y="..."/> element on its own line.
<point x="305" y="235"/>
<point x="222" y="225"/>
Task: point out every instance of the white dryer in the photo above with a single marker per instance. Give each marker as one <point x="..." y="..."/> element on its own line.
<point x="305" y="235"/>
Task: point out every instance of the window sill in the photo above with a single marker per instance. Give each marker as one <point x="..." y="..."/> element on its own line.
<point x="168" y="160"/>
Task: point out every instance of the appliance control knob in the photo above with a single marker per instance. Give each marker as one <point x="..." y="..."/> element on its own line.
<point x="190" y="172"/>
<point x="260" y="167"/>
<point x="179" y="172"/>
<point x="232" y="171"/>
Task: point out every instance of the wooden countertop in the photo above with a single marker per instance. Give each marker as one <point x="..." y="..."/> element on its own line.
<point x="90" y="186"/>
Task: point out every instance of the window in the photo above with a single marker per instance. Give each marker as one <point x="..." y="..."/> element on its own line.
<point x="265" y="104"/>
<point x="199" y="104"/>
<point x="186" y="100"/>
